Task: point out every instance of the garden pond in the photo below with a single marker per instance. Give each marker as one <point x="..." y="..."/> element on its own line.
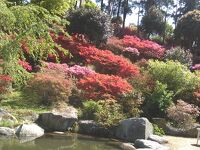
<point x="60" y="142"/>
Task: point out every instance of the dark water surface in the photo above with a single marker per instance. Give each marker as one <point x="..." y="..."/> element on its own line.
<point x="60" y="142"/>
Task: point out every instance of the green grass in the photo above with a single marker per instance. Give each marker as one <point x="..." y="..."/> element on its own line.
<point x="21" y="103"/>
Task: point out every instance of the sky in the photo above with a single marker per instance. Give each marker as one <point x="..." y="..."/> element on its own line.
<point x="132" y="19"/>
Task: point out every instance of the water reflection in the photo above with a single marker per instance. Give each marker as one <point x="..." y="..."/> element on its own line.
<point x="60" y="142"/>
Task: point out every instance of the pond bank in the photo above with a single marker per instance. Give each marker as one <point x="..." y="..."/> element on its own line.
<point x="182" y="143"/>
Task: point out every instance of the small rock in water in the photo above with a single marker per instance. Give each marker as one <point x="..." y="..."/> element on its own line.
<point x="5" y="131"/>
<point x="127" y="146"/>
<point x="158" y="139"/>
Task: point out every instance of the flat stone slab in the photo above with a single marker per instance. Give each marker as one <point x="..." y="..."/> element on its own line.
<point x="140" y="143"/>
<point x="127" y="146"/>
<point x="159" y="139"/>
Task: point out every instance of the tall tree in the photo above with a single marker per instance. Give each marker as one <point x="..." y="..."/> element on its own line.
<point x="184" y="6"/>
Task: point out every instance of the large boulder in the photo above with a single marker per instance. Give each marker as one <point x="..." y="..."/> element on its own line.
<point x="58" y="120"/>
<point x="192" y="132"/>
<point x="141" y="143"/>
<point x="29" y="130"/>
<point x="90" y="127"/>
<point x="8" y="132"/>
<point x="134" y="128"/>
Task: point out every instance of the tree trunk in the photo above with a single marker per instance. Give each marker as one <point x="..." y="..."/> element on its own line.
<point x="119" y="7"/>
<point x="125" y="12"/>
<point x="109" y="7"/>
<point x="101" y="5"/>
<point x="81" y="1"/>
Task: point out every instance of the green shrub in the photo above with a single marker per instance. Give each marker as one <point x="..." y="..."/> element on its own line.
<point x="161" y="97"/>
<point x="157" y="102"/>
<point x="91" y="22"/>
<point x="105" y="112"/>
<point x="174" y="75"/>
<point x="131" y="104"/>
<point x="157" y="130"/>
<point x="110" y="114"/>
<point x="179" y="54"/>
<point x="89" y="110"/>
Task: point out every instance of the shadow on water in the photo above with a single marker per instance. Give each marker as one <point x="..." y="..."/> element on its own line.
<point x="60" y="142"/>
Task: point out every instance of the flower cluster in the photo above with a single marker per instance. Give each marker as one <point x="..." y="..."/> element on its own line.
<point x="106" y="62"/>
<point x="195" y="67"/>
<point x="133" y="51"/>
<point x="79" y="71"/>
<point x="99" y="86"/>
<point x="25" y="65"/>
<point x="147" y="49"/>
<point x="57" y="67"/>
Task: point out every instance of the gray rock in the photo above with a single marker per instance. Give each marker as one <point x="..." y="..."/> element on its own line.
<point x="134" y="128"/>
<point x="127" y="146"/>
<point x="5" y="131"/>
<point x="90" y="127"/>
<point x="157" y="138"/>
<point x="4" y="115"/>
<point x="144" y="149"/>
<point x="29" y="130"/>
<point x="140" y="143"/>
<point x="58" y="120"/>
<point x="192" y="132"/>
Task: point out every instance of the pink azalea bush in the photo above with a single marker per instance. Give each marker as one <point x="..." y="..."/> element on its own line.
<point x="79" y="71"/>
<point x="146" y="48"/>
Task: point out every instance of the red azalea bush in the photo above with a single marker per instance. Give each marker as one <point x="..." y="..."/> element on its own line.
<point x="106" y="62"/>
<point x="5" y="82"/>
<point x="100" y="86"/>
<point x="51" y="88"/>
<point x="25" y="65"/>
<point x="146" y="48"/>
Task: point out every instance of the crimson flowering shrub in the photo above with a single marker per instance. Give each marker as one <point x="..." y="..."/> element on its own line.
<point x="182" y="114"/>
<point x="106" y="62"/>
<point x="100" y="86"/>
<point x="51" y="88"/>
<point x="146" y="48"/>
<point x="5" y="82"/>
<point x="25" y="65"/>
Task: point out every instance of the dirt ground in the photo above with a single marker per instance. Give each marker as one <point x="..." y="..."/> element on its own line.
<point x="181" y="143"/>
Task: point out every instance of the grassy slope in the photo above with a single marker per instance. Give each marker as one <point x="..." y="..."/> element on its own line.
<point x="21" y="104"/>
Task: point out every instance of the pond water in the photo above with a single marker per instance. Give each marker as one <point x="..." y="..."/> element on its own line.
<point x="60" y="142"/>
